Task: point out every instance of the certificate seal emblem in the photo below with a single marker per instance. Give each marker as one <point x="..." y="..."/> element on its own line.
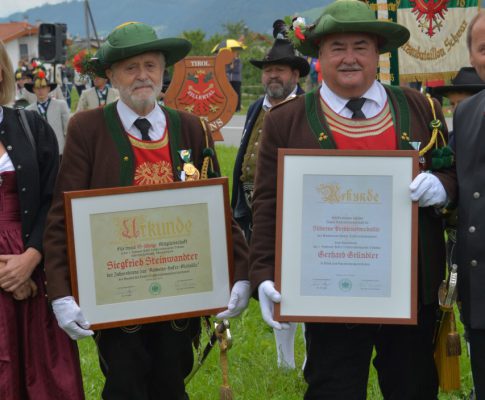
<point x="155" y="288"/>
<point x="345" y="285"/>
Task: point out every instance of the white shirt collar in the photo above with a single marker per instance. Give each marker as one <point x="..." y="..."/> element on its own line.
<point x="156" y="117"/>
<point x="376" y="100"/>
<point x="267" y="105"/>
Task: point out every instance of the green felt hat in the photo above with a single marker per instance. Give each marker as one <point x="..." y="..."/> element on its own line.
<point x="346" y="16"/>
<point x="134" y="38"/>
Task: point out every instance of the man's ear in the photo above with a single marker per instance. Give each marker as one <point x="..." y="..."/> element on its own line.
<point x="109" y="74"/>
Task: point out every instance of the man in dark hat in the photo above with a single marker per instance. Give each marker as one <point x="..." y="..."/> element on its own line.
<point x="97" y="96"/>
<point x="22" y="97"/>
<point x="353" y="111"/>
<point x="134" y="142"/>
<point x="54" y="111"/>
<point x="469" y="129"/>
<point x="466" y="83"/>
<point x="281" y="70"/>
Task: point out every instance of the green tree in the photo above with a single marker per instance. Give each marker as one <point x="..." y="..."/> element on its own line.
<point x="199" y="44"/>
<point x="234" y="30"/>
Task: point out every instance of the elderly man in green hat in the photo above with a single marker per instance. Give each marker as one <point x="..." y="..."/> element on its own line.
<point x="134" y="142"/>
<point x="352" y="110"/>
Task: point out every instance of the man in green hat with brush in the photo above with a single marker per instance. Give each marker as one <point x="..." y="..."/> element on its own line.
<point x="134" y="142"/>
<point x="353" y="111"/>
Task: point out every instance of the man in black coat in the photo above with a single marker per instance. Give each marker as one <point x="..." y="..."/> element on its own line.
<point x="281" y="70"/>
<point x="469" y="128"/>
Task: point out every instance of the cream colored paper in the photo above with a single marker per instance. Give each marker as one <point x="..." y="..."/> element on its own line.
<point x="151" y="253"/>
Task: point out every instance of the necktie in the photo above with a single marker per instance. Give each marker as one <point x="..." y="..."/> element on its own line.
<point x="42" y="107"/>
<point x="143" y="125"/>
<point x="355" y="105"/>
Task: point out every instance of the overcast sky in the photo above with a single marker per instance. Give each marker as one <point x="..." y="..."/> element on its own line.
<point x="12" y="6"/>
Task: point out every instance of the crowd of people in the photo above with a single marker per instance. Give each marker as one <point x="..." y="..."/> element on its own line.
<point x="120" y="132"/>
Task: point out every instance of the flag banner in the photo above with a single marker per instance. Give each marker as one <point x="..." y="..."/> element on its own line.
<point x="437" y="47"/>
<point x="388" y="62"/>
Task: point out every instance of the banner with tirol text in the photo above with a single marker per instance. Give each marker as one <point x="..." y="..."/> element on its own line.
<point x="437" y="47"/>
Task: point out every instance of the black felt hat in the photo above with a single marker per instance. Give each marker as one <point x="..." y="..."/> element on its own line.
<point x="466" y="80"/>
<point x="283" y="52"/>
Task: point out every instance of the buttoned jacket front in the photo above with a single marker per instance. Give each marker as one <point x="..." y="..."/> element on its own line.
<point x="469" y="131"/>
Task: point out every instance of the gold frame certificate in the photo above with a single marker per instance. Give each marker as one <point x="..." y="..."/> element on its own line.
<point x="346" y="236"/>
<point x="150" y="253"/>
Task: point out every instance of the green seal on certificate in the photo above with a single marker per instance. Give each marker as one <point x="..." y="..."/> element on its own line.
<point x="345" y="285"/>
<point x="155" y="288"/>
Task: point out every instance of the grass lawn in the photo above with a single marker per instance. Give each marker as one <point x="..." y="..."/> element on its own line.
<point x="252" y="360"/>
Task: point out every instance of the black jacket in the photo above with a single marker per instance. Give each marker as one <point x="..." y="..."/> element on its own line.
<point x="469" y="128"/>
<point x="35" y="175"/>
<point x="241" y="211"/>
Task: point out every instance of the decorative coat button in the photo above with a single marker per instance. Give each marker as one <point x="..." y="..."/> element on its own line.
<point x="252" y="154"/>
<point x="26" y="211"/>
<point x="471" y="229"/>
<point x="125" y="158"/>
<point x="248" y="168"/>
<point x="19" y="166"/>
<point x="9" y="147"/>
<point x="2" y="132"/>
<point x="473" y="263"/>
<point x="255" y="143"/>
<point x="23" y="189"/>
<point x="27" y="235"/>
<point x="476" y="195"/>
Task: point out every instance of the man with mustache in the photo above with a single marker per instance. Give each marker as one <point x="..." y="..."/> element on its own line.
<point x="281" y="70"/>
<point x="353" y="111"/>
<point x="134" y="142"/>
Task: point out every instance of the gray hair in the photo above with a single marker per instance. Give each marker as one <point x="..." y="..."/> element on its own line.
<point x="480" y="14"/>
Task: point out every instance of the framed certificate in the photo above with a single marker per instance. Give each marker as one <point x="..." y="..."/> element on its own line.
<point x="346" y="236"/>
<point x="141" y="254"/>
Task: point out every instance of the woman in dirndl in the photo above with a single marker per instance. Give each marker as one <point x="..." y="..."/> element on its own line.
<point x="38" y="361"/>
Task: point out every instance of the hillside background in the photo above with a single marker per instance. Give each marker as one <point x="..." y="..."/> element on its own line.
<point x="169" y="17"/>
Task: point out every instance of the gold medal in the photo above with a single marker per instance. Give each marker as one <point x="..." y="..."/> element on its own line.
<point x="189" y="169"/>
<point x="191" y="173"/>
<point x="195" y="176"/>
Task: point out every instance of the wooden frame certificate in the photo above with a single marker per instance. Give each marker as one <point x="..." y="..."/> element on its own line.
<point x="346" y="236"/>
<point x="149" y="253"/>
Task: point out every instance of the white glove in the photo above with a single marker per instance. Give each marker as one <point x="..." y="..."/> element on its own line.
<point x="285" y="346"/>
<point x="240" y="293"/>
<point x="428" y="190"/>
<point x="70" y="318"/>
<point x="267" y="297"/>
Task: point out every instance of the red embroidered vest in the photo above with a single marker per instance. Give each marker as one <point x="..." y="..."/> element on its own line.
<point x="376" y="133"/>
<point x="153" y="163"/>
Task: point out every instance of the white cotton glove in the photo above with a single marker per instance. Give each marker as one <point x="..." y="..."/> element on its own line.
<point x="285" y="346"/>
<point x="240" y="293"/>
<point x="70" y="318"/>
<point x="267" y="297"/>
<point x="428" y="190"/>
